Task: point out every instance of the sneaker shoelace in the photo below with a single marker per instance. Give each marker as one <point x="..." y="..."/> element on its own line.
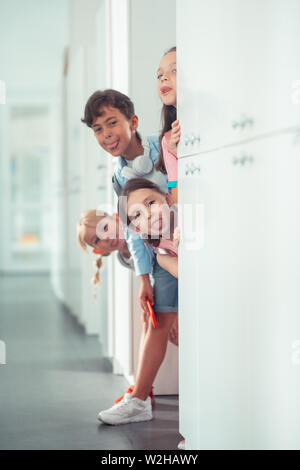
<point x="130" y="390"/>
<point x="123" y="403"/>
<point x="120" y="404"/>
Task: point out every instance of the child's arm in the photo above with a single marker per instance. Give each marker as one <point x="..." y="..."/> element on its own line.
<point x="174" y="195"/>
<point x="176" y="238"/>
<point x="142" y="261"/>
<point x="141" y="257"/>
<point x="169" y="263"/>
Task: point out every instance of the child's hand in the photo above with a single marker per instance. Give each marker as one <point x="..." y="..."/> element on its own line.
<point x="146" y="290"/>
<point x="176" y="238"/>
<point x="175" y="136"/>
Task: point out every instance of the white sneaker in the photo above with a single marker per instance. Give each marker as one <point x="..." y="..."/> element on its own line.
<point x="129" y="410"/>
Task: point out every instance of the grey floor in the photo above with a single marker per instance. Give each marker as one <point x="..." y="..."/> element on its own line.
<point x="55" y="382"/>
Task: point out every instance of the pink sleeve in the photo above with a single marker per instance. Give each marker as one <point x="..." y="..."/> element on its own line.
<point x="170" y="159"/>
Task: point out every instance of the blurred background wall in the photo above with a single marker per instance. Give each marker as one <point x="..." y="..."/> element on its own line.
<point x="53" y="55"/>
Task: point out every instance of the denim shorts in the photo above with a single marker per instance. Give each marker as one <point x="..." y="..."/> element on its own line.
<point x="165" y="289"/>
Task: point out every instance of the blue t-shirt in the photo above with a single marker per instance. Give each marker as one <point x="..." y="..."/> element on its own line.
<point x="142" y="254"/>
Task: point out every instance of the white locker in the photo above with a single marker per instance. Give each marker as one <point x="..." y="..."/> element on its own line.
<point x="238" y="70"/>
<point x="75" y="101"/>
<point x="239" y="298"/>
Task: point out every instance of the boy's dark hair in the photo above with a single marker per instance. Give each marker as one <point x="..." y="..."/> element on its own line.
<point x="109" y="97"/>
<point x="132" y="185"/>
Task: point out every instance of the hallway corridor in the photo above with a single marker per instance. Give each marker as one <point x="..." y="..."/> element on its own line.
<point x="55" y="382"/>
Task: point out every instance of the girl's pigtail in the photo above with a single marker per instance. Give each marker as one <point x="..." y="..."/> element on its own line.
<point x="98" y="265"/>
<point x="89" y="219"/>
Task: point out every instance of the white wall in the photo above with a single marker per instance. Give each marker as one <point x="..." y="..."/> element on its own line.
<point x="33" y="34"/>
<point x="152" y="32"/>
<point x="82" y="22"/>
<point x="86" y="161"/>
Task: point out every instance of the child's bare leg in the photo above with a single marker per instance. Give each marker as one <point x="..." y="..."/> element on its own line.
<point x="155" y="346"/>
<point x="173" y="334"/>
<point x="145" y="327"/>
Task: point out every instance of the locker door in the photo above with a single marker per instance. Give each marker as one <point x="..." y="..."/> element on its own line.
<point x="212" y="331"/>
<point x="238" y="70"/>
<point x="273" y="294"/>
<point x="239" y="301"/>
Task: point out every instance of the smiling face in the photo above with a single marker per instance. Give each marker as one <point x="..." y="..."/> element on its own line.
<point x="148" y="212"/>
<point x="106" y="236"/>
<point x="114" y="132"/>
<point x="166" y="79"/>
